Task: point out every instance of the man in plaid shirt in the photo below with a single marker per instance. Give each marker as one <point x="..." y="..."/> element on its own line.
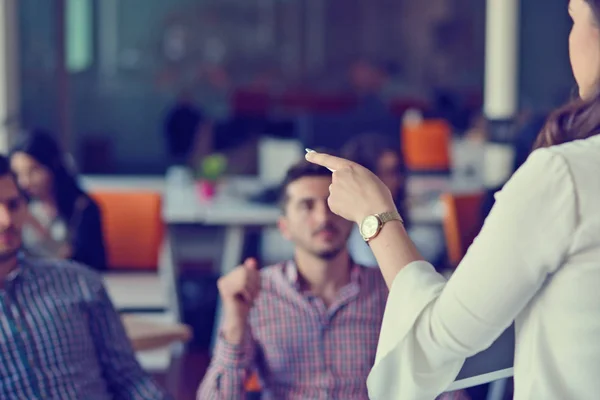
<point x="60" y="336"/>
<point x="308" y="326"/>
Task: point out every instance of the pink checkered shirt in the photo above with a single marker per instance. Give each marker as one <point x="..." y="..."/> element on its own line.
<point x="301" y="349"/>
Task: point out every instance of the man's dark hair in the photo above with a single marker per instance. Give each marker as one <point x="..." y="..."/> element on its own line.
<point x="368" y="148"/>
<point x="6" y="170"/>
<point x="302" y="169"/>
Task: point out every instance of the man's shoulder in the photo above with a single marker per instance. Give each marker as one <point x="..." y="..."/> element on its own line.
<point x="273" y="274"/>
<point x="69" y="271"/>
<point x="371" y="276"/>
<point x="373" y="285"/>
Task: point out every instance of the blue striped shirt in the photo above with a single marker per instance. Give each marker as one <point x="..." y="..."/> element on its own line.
<point x="61" y="338"/>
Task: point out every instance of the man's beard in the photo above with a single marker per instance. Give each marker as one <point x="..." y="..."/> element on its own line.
<point x="329" y="255"/>
<point x="8" y="254"/>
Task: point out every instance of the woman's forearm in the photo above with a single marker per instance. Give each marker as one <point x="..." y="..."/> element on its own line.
<point x="393" y="250"/>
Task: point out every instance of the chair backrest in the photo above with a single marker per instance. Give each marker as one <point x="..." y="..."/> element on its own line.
<point x="426" y="146"/>
<point x="133" y="227"/>
<point x="462" y="223"/>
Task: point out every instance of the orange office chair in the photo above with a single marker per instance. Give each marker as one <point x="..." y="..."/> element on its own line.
<point x="427" y="146"/>
<point x="462" y="223"/>
<point x="133" y="228"/>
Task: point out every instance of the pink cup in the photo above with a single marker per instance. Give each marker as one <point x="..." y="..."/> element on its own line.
<point x="206" y="189"/>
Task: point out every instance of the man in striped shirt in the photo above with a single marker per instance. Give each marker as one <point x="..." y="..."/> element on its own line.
<point x="60" y="337"/>
<point x="310" y="326"/>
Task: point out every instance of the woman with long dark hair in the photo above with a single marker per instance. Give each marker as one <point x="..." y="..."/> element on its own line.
<point x="536" y="261"/>
<point x="63" y="221"/>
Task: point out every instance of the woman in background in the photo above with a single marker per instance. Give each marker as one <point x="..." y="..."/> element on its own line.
<point x="379" y="154"/>
<point x="64" y="222"/>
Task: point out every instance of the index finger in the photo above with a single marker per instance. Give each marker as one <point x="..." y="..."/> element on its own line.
<point x="328" y="161"/>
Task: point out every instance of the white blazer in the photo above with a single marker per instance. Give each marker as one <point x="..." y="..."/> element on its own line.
<point x="536" y="261"/>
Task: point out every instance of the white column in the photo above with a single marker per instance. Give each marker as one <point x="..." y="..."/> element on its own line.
<point x="9" y="73"/>
<point x="501" y="86"/>
<point x="500" y="102"/>
<point x="501" y="59"/>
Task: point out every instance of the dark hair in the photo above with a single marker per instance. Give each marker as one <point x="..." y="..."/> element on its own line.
<point x="42" y="147"/>
<point x="302" y="169"/>
<point x="6" y="170"/>
<point x="4" y="166"/>
<point x="367" y="149"/>
<point x="579" y="119"/>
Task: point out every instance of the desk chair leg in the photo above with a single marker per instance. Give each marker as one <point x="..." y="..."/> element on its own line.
<point x="233" y="247"/>
<point x="497" y="389"/>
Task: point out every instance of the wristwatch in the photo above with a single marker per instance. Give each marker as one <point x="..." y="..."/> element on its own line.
<point x="372" y="224"/>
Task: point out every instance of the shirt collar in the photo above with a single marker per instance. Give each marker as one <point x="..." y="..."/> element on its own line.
<point x="13" y="275"/>
<point x="290" y="271"/>
<point x="17" y="273"/>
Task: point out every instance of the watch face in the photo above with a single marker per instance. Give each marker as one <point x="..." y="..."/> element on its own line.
<point x="369" y="227"/>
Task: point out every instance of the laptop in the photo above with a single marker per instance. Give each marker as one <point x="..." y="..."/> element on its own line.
<point x="494" y="363"/>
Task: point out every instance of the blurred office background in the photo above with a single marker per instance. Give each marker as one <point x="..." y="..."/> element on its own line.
<point x="103" y="74"/>
<point x="151" y="97"/>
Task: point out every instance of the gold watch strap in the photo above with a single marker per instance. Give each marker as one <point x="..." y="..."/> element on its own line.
<point x="390" y="216"/>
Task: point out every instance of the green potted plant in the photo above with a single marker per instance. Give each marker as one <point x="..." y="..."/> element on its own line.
<point x="210" y="170"/>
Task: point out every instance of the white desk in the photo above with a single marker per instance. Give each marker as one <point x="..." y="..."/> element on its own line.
<point x="229" y="209"/>
<point x="136" y="290"/>
<point x="182" y="205"/>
